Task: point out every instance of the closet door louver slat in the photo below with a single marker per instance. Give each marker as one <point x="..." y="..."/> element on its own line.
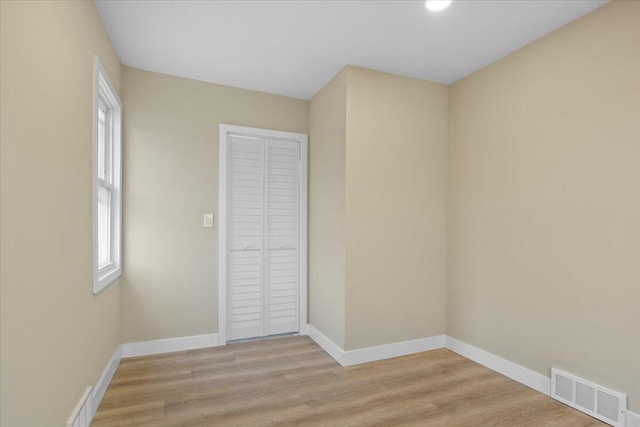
<point x="245" y="207"/>
<point x="282" y="237"/>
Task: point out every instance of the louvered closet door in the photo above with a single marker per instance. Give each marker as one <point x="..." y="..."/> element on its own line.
<point x="245" y="229"/>
<point x="282" y="237"/>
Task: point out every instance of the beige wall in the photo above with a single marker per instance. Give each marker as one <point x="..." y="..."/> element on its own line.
<point x="171" y="126"/>
<point x="327" y="250"/>
<point x="396" y="180"/>
<point x="545" y="202"/>
<point x="378" y="156"/>
<point x="56" y="336"/>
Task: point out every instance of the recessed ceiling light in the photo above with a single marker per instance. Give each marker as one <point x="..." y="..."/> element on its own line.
<point x="436" y="5"/>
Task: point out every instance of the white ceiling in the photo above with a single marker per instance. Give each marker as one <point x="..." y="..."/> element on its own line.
<point x="294" y="48"/>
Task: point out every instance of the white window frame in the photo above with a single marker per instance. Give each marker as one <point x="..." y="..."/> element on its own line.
<point x="105" y="95"/>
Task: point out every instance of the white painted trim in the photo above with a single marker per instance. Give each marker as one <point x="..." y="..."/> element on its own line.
<point x="633" y="419"/>
<point x="498" y="364"/>
<point x="87" y="407"/>
<point x="516" y="372"/>
<point x="82" y="414"/>
<point x="304" y="331"/>
<point x="222" y="236"/>
<point x="302" y="139"/>
<point x="396" y="349"/>
<point x="302" y="247"/>
<point x="326" y="344"/>
<point x="102" y="84"/>
<point x="505" y="367"/>
<point x="147" y="348"/>
<point x="379" y="352"/>
<point x="105" y="379"/>
<point x="525" y="376"/>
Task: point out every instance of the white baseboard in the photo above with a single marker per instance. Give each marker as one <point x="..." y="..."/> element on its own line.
<point x="327" y="345"/>
<point x="105" y="379"/>
<point x="88" y="405"/>
<point x="633" y="419"/>
<point x="147" y="348"/>
<point x="509" y="369"/>
<point x="516" y="372"/>
<point x="82" y="414"/>
<point x="525" y="376"/>
<point x="304" y="330"/>
<point x="388" y="351"/>
<point x="371" y="354"/>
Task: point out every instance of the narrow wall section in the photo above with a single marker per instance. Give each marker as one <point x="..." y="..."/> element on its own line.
<point x="396" y="161"/>
<point x="327" y="244"/>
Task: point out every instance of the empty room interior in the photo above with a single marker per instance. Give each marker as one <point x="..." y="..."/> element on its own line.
<point x="323" y="213"/>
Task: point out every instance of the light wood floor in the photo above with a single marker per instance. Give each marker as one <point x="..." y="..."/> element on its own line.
<point x="292" y="381"/>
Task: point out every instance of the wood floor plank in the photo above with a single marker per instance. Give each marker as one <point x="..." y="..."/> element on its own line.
<point x="293" y="382"/>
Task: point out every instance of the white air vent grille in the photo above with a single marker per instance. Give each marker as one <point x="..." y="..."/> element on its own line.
<point x="592" y="399"/>
<point x="585" y="396"/>
<point x="564" y="388"/>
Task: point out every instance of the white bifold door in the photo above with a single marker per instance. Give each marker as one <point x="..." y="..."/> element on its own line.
<point x="263" y="186"/>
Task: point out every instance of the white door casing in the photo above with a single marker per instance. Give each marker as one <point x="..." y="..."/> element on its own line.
<point x="262" y="232"/>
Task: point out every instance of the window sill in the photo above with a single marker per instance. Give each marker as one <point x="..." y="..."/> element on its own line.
<point x="105" y="278"/>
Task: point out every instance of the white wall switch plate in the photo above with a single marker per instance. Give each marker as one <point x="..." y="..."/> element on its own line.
<point x="208" y="220"/>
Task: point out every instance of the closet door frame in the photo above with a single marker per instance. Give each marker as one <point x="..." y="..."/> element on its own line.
<point x="225" y="131"/>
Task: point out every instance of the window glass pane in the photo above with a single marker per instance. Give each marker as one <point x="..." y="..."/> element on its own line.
<point x="108" y="145"/>
<point x="104" y="226"/>
<point x="102" y="130"/>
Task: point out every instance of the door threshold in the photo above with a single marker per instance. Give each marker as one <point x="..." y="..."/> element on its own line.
<point x="268" y="337"/>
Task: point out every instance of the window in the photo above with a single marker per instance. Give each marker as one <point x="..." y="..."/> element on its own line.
<point x="107" y="181"/>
